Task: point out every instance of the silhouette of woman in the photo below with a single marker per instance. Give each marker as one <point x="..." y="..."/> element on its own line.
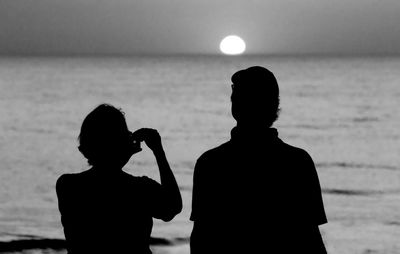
<point x="104" y="209"/>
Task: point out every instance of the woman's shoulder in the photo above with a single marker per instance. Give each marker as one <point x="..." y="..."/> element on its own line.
<point x="63" y="179"/>
<point x="69" y="179"/>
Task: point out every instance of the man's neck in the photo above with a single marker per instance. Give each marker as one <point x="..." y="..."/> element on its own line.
<point x="253" y="133"/>
<point x="252" y="127"/>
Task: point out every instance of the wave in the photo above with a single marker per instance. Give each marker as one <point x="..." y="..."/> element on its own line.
<point x="313" y="127"/>
<point x="29" y="244"/>
<point x="365" y="119"/>
<point x="347" y="192"/>
<point x="34" y="242"/>
<point x="354" y="165"/>
<point x="393" y="223"/>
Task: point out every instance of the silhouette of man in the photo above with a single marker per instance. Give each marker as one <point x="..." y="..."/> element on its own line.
<point x="104" y="209"/>
<point x="255" y="193"/>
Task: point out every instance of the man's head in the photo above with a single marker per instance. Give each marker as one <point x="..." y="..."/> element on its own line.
<point x="255" y="97"/>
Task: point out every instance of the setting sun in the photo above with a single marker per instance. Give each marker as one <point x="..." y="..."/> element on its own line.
<point x="232" y="45"/>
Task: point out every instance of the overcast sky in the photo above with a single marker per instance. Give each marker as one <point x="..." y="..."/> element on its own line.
<point x="197" y="26"/>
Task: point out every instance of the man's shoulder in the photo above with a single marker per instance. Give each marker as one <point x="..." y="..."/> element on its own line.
<point x="216" y="152"/>
<point x="294" y="150"/>
<point x="297" y="159"/>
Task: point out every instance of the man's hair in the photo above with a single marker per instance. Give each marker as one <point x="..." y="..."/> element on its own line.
<point x="101" y="131"/>
<point x="258" y="87"/>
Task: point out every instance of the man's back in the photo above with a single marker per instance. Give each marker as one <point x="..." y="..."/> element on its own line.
<point x="256" y="193"/>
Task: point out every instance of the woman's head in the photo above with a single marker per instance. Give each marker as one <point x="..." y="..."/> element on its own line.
<point x="104" y="138"/>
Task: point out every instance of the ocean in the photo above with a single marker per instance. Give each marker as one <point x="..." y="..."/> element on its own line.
<point x="343" y="110"/>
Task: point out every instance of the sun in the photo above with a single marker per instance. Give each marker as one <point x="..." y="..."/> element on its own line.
<point x="232" y="45"/>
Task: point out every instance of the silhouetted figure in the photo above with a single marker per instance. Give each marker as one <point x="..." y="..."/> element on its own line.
<point x="104" y="209"/>
<point x="255" y="193"/>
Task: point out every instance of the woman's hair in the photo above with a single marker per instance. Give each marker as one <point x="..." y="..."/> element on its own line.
<point x="102" y="133"/>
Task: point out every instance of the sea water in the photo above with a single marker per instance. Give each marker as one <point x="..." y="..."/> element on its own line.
<point x="343" y="110"/>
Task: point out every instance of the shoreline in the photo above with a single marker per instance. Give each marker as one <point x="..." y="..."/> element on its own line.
<point x="37" y="243"/>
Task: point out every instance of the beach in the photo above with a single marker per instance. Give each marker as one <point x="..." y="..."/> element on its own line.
<point x="343" y="110"/>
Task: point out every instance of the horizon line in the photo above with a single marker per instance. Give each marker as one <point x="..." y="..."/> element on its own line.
<point x="219" y="55"/>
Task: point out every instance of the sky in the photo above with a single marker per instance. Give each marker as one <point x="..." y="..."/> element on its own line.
<point x="197" y="26"/>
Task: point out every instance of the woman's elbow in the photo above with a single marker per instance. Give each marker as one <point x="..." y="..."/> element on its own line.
<point x="172" y="212"/>
<point x="179" y="206"/>
<point x="168" y="217"/>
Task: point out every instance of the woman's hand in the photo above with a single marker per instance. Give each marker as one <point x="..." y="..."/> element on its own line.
<point x="150" y="136"/>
